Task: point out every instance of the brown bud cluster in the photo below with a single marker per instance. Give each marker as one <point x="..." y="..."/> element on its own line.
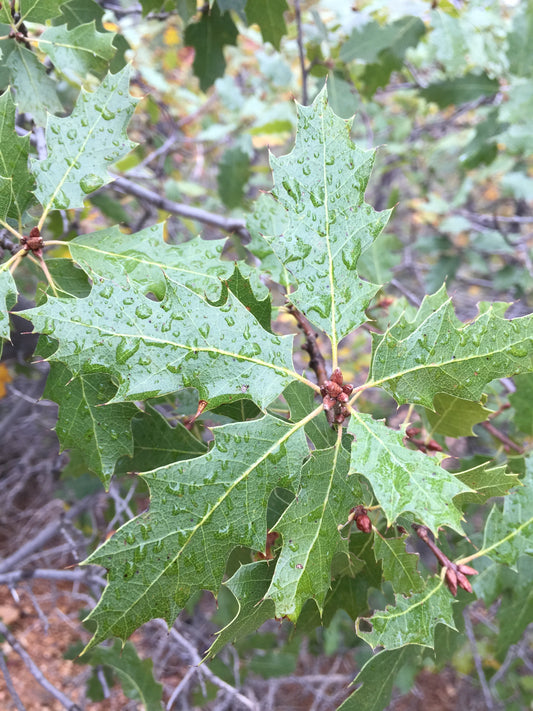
<point x="336" y="395"/>
<point x="33" y="242"/>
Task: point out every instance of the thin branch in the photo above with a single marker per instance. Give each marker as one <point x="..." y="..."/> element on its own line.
<point x="316" y="359"/>
<point x="36" y="672"/>
<point x="72" y="576"/>
<point x="508" y="443"/>
<point x="489" y="699"/>
<point x="227" y="224"/>
<point x="9" y="684"/>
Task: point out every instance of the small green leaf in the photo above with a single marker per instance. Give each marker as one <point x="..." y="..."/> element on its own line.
<point x="485" y="482"/>
<point x="35" y="10"/>
<point x="249" y="586"/>
<point x="301" y="400"/>
<point x="269" y="17"/>
<point x="82" y="146"/>
<point x="321" y="185"/>
<point x="200" y="510"/>
<point x="242" y="289"/>
<point x="376" y="679"/>
<point x="209" y="37"/>
<point x="16" y="182"/>
<point x="509" y="531"/>
<point x="460" y="90"/>
<point x="399" y="566"/>
<point x="455" y="417"/>
<point x="102" y="433"/>
<point x="310" y="534"/>
<point x="36" y="92"/>
<point x="136" y="675"/>
<point x="146" y="258"/>
<point x="78" y="52"/>
<point x="156" y="443"/>
<point x="522" y="400"/>
<point x="8" y="296"/>
<point x="152" y="348"/>
<point x="80" y="12"/>
<point x="233" y="174"/>
<point x="437" y="353"/>
<point x="412" y="620"/>
<point x="370" y="40"/>
<point x="403" y="479"/>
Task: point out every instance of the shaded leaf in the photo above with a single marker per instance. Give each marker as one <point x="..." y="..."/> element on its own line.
<point x="233" y="174"/>
<point x="321" y="184"/>
<point x="485" y="482"/>
<point x="16" y="181"/>
<point x="376" y="679"/>
<point x="309" y="530"/>
<point x="79" y="51"/>
<point x="146" y="258"/>
<point x="509" y="531"/>
<point x="369" y="41"/>
<point x="82" y="146"/>
<point x="399" y="566"/>
<point x="249" y="586"/>
<point x="31" y="10"/>
<point x="8" y="296"/>
<point x="80" y="12"/>
<point x="301" y="400"/>
<point x="437" y="353"/>
<point x="268" y="218"/>
<point x="209" y="37"/>
<point x="455" y="417"/>
<point x="152" y="348"/>
<point x="403" y="479"/>
<point x="521" y="401"/>
<point x="520" y="40"/>
<point x="412" y="620"/>
<point x="269" y="17"/>
<point x="200" y="510"/>
<point x="156" y="443"/>
<point x="136" y="675"/>
<point x="260" y="308"/>
<point x="36" y="92"/>
<point x="460" y="90"/>
<point x="102" y="433"/>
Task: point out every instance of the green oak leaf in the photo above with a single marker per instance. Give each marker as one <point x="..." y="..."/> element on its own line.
<point x="310" y="534"/>
<point x="156" y="443"/>
<point x="269" y="17"/>
<point x="399" y="566"/>
<point x="485" y="481"/>
<point x="233" y="174"/>
<point x="412" y="620"/>
<point x="515" y="612"/>
<point x="135" y="674"/>
<point x="146" y="258"/>
<point x="321" y="185"/>
<point x="521" y="401"/>
<point x="403" y="479"/>
<point x="8" y="296"/>
<point x="240" y="286"/>
<point x="82" y="146"/>
<point x="79" y="12"/>
<point x="200" y="510"/>
<point x="152" y="348"/>
<point x="454" y="417"/>
<point x="267" y="218"/>
<point x="102" y="433"/>
<point x="31" y="11"/>
<point x="460" y="89"/>
<point x="16" y="182"/>
<point x="509" y="531"/>
<point x="376" y="679"/>
<point x="249" y="586"/>
<point x="436" y="353"/>
<point x="35" y="92"/>
<point x="80" y="51"/>
<point x="301" y="400"/>
<point x="209" y="37"/>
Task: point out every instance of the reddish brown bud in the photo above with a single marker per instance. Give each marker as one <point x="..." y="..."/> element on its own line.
<point x="336" y="376"/>
<point x="467" y="570"/>
<point x="329" y="402"/>
<point x="342" y="397"/>
<point x="451" y="581"/>
<point x="412" y="431"/>
<point x="332" y="388"/>
<point x="363" y="523"/>
<point x="347" y="388"/>
<point x="433" y="446"/>
<point x="463" y="582"/>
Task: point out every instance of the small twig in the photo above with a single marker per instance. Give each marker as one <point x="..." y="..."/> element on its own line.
<point x="495" y="432"/>
<point x="227" y="224"/>
<point x="9" y="684"/>
<point x="35" y="671"/>
<point x="489" y="700"/>
<point x="72" y="576"/>
<point x="301" y="52"/>
<point x="454" y="573"/>
<point x="316" y="359"/>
